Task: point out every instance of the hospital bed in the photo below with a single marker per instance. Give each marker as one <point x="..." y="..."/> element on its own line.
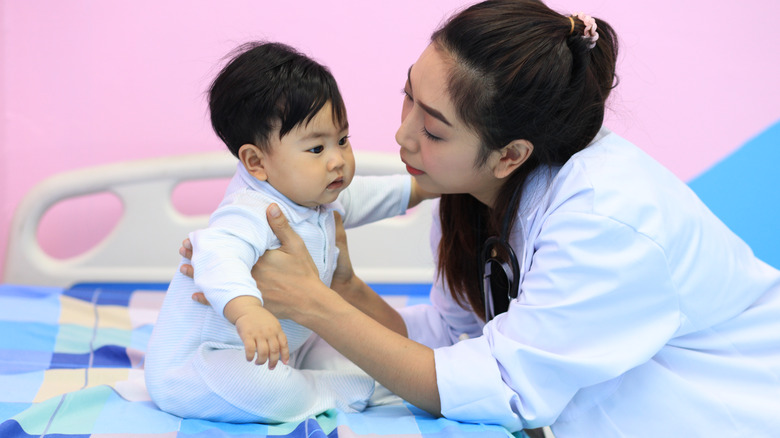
<point x="74" y="331"/>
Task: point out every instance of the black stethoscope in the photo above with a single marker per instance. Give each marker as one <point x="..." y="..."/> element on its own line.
<point x="494" y="249"/>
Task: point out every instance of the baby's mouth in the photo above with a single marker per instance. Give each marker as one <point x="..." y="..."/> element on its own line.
<point x="337" y="184"/>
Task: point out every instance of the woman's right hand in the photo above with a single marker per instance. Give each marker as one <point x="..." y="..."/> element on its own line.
<point x="344" y="281"/>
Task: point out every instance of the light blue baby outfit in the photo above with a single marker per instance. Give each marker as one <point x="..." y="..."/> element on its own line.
<point x="195" y="363"/>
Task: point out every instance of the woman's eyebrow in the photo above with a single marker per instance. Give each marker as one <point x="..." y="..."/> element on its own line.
<point x="431" y="111"/>
<point x="434" y="113"/>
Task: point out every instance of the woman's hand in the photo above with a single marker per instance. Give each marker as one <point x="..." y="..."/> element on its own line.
<point x="287" y="276"/>
<point x="186" y="252"/>
<point x="278" y="274"/>
<point x="344" y="280"/>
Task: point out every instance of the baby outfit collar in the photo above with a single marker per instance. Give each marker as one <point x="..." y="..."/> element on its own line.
<point x="294" y="213"/>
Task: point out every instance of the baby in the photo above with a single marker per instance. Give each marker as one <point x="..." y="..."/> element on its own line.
<point x="282" y="115"/>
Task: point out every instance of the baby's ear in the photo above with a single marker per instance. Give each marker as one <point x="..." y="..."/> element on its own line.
<point x="254" y="160"/>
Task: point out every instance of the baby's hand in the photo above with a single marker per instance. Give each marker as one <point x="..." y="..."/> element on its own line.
<point x="263" y="337"/>
<point x="417" y="195"/>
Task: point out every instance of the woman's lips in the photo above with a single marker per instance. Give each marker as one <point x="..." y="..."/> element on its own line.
<point x="413" y="171"/>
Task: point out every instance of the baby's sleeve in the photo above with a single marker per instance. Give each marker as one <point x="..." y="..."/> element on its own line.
<point x="372" y="198"/>
<point x="224" y="253"/>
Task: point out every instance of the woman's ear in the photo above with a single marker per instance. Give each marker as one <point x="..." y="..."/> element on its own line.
<point x="511" y="157"/>
<point x="253" y="160"/>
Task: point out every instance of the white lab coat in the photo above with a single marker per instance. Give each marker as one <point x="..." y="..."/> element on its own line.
<point x="640" y="313"/>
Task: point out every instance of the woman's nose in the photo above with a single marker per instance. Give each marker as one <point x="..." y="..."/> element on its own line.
<point x="404" y="135"/>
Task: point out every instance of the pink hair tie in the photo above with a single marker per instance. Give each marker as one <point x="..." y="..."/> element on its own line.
<point x="590" y="28"/>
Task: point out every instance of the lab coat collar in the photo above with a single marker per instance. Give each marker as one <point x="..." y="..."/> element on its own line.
<point x="539" y="184"/>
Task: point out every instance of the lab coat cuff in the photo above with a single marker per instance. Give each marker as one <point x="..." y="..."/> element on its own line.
<point x="470" y="386"/>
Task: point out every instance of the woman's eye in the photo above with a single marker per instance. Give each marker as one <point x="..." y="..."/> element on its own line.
<point x="344" y="140"/>
<point x="316" y="149"/>
<point x="430" y="136"/>
<point x="406" y="94"/>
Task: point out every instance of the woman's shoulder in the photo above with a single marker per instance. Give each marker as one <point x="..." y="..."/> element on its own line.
<point x="614" y="178"/>
<point x="611" y="156"/>
<point x="613" y="164"/>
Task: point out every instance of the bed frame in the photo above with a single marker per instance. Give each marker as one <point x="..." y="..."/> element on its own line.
<point x="143" y="245"/>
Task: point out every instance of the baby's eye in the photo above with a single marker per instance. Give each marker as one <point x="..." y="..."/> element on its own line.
<point x="316" y="149"/>
<point x="344" y="140"/>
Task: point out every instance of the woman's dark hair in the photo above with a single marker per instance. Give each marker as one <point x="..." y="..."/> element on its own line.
<point x="266" y="86"/>
<point x="519" y="73"/>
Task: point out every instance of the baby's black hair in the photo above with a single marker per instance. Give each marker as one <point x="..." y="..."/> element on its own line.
<point x="266" y="86"/>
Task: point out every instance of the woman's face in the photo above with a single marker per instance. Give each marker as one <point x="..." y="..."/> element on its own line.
<point x="439" y="150"/>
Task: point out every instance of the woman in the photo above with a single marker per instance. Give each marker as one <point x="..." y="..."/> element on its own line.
<point x="624" y="307"/>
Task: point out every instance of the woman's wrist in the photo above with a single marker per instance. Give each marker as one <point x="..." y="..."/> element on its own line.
<point x="359" y="295"/>
<point x="321" y="306"/>
<point x="350" y="289"/>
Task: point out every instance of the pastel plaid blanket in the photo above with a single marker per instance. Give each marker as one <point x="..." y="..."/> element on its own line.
<point x="71" y="366"/>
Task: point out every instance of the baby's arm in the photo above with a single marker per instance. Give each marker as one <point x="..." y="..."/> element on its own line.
<point x="259" y="330"/>
<point x="223" y="258"/>
<point x="372" y="198"/>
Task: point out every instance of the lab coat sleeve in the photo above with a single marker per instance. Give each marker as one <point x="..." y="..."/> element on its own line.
<point x="597" y="301"/>
<point x="443" y="322"/>
<point x="224" y="253"/>
<point x="372" y="198"/>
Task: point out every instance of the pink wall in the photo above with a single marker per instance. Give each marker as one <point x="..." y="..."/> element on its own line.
<point x="90" y="82"/>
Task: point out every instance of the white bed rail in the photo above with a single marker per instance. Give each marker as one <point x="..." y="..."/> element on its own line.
<point x="143" y="245"/>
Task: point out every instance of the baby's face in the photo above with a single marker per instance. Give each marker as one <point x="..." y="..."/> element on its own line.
<point x="312" y="164"/>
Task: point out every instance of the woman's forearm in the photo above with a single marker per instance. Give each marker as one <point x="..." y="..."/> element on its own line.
<point x="403" y="366"/>
<point x="360" y="295"/>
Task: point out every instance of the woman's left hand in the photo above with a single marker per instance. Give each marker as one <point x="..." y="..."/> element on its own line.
<point x="285" y="275"/>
